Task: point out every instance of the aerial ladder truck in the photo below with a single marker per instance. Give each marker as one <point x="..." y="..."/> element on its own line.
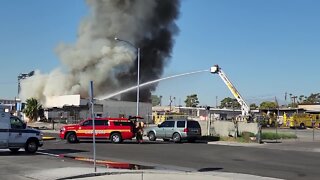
<point x="245" y="109"/>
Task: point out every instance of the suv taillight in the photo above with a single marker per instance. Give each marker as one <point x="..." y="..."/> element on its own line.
<point x="186" y="130"/>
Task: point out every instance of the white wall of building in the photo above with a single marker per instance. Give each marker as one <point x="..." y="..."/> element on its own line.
<point x="310" y="107"/>
<point x="60" y="101"/>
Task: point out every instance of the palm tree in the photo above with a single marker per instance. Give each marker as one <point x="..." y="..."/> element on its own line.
<point x="32" y="109"/>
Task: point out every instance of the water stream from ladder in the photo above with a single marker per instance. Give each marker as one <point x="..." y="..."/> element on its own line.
<point x="146" y="84"/>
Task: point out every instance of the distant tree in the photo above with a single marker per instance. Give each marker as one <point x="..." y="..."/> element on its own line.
<point x="192" y="100"/>
<point x="312" y="99"/>
<point x="229" y="103"/>
<point x="32" y="109"/>
<point x="155" y="100"/>
<point x="302" y="98"/>
<point x="253" y="106"/>
<point x="268" y="105"/>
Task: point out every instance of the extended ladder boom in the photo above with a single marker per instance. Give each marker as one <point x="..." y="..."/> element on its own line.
<point x="244" y="106"/>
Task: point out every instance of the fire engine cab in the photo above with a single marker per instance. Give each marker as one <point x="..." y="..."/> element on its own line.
<point x="14" y="134"/>
<point x="115" y="129"/>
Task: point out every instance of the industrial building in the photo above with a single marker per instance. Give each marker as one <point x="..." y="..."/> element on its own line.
<point x="72" y="109"/>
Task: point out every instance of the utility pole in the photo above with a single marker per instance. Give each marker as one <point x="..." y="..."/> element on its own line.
<point x="278" y="114"/>
<point x="93" y="125"/>
<point x="216" y="102"/>
<point x="285" y="96"/>
<point x="294" y="99"/>
<point x="170" y="102"/>
<point x="207" y="108"/>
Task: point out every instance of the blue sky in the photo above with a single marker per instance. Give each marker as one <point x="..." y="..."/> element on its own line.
<point x="265" y="47"/>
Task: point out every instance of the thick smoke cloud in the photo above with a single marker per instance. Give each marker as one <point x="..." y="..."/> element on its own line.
<point x="112" y="65"/>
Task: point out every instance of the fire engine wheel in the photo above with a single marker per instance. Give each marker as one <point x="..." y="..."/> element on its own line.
<point x="31" y="146"/>
<point x="72" y="137"/>
<point x="14" y="150"/>
<point x="116" y="138"/>
<point x="302" y="126"/>
<point x="176" y="137"/>
<point x="152" y="136"/>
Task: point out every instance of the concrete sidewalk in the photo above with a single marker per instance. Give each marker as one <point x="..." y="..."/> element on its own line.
<point x="116" y="174"/>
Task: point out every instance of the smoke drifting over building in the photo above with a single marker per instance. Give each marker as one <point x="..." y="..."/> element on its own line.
<point x="112" y="65"/>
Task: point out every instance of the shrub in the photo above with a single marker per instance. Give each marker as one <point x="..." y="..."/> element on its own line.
<point x="273" y="136"/>
<point x="248" y="134"/>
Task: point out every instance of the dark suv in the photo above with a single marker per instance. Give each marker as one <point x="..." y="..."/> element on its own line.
<point x="176" y="130"/>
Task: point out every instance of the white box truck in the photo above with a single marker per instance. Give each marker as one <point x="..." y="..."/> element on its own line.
<point x="14" y="134"/>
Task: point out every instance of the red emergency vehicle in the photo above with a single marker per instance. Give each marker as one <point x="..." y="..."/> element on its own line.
<point x="115" y="129"/>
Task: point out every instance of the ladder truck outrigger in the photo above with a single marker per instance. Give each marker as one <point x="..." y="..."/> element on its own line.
<point x="245" y="109"/>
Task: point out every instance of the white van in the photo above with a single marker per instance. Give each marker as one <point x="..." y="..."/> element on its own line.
<point x="14" y="134"/>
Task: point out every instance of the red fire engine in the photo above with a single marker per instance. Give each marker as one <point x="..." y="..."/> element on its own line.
<point x="115" y="129"/>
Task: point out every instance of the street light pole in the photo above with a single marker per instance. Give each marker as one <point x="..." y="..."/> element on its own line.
<point x="138" y="82"/>
<point x="138" y="73"/>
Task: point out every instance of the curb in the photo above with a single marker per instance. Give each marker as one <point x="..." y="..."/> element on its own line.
<point x="224" y="143"/>
<point x="108" y="164"/>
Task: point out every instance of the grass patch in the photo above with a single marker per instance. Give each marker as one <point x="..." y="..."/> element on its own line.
<point x="240" y="139"/>
<point x="273" y="135"/>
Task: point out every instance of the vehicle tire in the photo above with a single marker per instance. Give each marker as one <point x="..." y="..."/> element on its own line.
<point x="152" y="136"/>
<point x="72" y="137"/>
<point x="14" y="150"/>
<point x="116" y="138"/>
<point x="176" y="137"/>
<point x="273" y="124"/>
<point x="31" y="146"/>
<point x="166" y="140"/>
<point x="302" y="126"/>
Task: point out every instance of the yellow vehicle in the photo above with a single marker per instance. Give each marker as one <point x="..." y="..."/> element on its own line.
<point x="160" y="116"/>
<point x="302" y="120"/>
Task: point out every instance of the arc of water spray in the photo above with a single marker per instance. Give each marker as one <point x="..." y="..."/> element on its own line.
<point x="147" y="83"/>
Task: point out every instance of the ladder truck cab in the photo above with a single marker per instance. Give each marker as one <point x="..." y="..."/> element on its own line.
<point x="245" y="110"/>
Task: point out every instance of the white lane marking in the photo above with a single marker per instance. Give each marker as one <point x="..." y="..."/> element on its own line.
<point x="49" y="154"/>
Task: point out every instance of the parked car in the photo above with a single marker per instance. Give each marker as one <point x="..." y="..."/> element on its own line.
<point x="115" y="129"/>
<point x="177" y="130"/>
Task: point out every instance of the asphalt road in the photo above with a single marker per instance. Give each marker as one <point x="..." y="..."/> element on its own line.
<point x="19" y="166"/>
<point x="263" y="161"/>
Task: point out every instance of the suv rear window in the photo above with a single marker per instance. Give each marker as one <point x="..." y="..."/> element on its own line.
<point x="193" y="124"/>
<point x="181" y="124"/>
<point x="119" y="123"/>
<point x="96" y="122"/>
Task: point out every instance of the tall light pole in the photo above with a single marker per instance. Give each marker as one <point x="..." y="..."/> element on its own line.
<point x="23" y="76"/>
<point x="138" y="73"/>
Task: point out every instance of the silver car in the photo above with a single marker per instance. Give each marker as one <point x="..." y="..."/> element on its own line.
<point x="176" y="130"/>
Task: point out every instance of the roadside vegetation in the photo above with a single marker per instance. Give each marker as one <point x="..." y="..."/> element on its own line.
<point x="33" y="109"/>
<point x="247" y="137"/>
<point x="273" y="135"/>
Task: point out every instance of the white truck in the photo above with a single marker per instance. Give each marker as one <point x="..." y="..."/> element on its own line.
<point x="245" y="109"/>
<point x="14" y="134"/>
